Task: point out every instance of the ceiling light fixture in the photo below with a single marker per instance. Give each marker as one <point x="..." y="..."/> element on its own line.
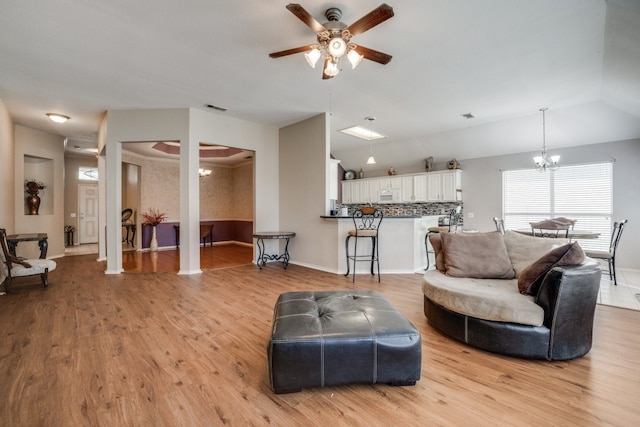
<point x="371" y="160"/>
<point x="58" y="118"/>
<point x="363" y="133"/>
<point x="334" y="39"/>
<point x="544" y="163"/>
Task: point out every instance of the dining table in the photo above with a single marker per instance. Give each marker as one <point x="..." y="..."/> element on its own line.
<point x="571" y="234"/>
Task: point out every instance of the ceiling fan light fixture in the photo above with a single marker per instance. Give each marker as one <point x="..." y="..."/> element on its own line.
<point x="331" y="69"/>
<point x="312" y="57"/>
<point x="355" y="58"/>
<point x="58" y="118"/>
<point x="337" y="47"/>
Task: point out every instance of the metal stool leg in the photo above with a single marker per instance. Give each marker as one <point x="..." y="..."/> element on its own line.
<point x="346" y="246"/>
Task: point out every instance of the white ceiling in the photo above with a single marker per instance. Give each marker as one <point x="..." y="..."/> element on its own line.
<point x="501" y="60"/>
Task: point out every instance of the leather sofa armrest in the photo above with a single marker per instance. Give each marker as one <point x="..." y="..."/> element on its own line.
<point x="568" y="296"/>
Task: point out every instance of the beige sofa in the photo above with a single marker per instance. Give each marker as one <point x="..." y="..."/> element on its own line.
<point x="513" y="294"/>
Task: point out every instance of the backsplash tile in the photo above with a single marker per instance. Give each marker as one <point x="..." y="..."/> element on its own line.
<point x="409" y="209"/>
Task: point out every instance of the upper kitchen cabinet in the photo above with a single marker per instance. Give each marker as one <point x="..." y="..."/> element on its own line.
<point x="444" y="186"/>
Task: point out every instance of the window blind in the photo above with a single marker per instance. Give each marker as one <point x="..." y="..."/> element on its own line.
<point x="581" y="192"/>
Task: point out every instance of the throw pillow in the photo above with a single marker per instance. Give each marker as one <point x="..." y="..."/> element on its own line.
<point x="530" y="279"/>
<point x="436" y="243"/>
<point x="524" y="249"/>
<point x="476" y="255"/>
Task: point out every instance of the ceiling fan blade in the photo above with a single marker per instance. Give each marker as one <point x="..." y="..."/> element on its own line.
<point x="291" y="51"/>
<point x="373" y="55"/>
<point x="305" y="17"/>
<point x="371" y="19"/>
<point x="324" y="67"/>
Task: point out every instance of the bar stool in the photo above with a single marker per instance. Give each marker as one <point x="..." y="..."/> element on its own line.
<point x="366" y="221"/>
<point x="455" y="217"/>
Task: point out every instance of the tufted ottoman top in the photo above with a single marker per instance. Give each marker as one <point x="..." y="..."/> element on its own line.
<point x="338" y="337"/>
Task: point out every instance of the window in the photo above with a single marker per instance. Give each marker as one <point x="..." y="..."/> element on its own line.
<point x="88" y="174"/>
<point x="580" y="192"/>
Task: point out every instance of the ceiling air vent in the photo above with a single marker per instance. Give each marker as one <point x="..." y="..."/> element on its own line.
<point x="215" y="107"/>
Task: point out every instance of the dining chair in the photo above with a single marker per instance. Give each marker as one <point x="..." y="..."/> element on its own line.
<point x="455" y="219"/>
<point x="13" y="266"/>
<point x="610" y="255"/>
<point x="552" y="227"/>
<point x="366" y="224"/>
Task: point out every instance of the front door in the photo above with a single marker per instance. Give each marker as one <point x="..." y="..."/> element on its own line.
<point x="88" y="220"/>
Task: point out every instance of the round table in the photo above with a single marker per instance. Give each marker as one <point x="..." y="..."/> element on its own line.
<point x="263" y="257"/>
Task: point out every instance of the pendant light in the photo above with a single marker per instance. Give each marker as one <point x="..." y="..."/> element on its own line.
<point x="371" y="160"/>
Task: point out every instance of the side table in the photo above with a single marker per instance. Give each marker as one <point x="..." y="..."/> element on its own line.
<point x="264" y="257"/>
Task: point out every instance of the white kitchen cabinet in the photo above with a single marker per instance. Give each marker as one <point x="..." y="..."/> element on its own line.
<point x="407" y="189"/>
<point x="346" y="192"/>
<point x="440" y="186"/>
<point x="444" y="186"/>
<point x="414" y="188"/>
<point x="420" y="188"/>
<point x="452" y="185"/>
<point x="333" y="179"/>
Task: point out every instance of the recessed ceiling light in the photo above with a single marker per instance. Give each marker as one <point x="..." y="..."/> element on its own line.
<point x="58" y="118"/>
<point x="363" y="133"/>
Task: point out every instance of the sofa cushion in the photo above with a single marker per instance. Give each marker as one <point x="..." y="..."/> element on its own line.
<point x="530" y="278"/>
<point x="477" y="255"/>
<point x="488" y="299"/>
<point x="436" y="243"/>
<point x="523" y="249"/>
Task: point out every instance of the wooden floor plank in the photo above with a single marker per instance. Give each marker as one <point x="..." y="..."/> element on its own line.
<point x="157" y="348"/>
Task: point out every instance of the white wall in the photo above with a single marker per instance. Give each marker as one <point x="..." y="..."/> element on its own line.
<point x="7" y="174"/>
<point x="304" y="193"/>
<point x="190" y="127"/>
<point x="482" y="188"/>
<point x="38" y="144"/>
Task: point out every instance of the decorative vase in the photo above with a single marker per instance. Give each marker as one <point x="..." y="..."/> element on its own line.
<point x="154" y="241"/>
<point x="33" y="203"/>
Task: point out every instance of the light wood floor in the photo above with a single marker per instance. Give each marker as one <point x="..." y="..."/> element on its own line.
<point x="159" y="349"/>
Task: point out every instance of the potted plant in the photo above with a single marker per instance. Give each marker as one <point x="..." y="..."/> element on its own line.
<point x="153" y="217"/>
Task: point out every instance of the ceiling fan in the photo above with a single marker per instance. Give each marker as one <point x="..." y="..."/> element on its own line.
<point x="334" y="38"/>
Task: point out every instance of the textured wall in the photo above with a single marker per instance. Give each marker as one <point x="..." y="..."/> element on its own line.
<point x="226" y="194"/>
<point x="243" y="192"/>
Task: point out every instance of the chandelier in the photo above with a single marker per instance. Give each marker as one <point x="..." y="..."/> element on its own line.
<point x="544" y="163"/>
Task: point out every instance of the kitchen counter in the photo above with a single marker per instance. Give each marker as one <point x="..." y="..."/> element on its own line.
<point x="384" y="217"/>
<point x="401" y="240"/>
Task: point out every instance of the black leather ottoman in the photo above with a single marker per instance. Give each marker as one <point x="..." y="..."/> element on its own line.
<point x="341" y="337"/>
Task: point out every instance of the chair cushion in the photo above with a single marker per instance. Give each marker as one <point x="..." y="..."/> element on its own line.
<point x="599" y="254"/>
<point x="438" y="229"/>
<point x="477" y="255"/>
<point x="363" y="233"/>
<point x="38" y="266"/>
<point x="530" y="279"/>
<point x="489" y="299"/>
